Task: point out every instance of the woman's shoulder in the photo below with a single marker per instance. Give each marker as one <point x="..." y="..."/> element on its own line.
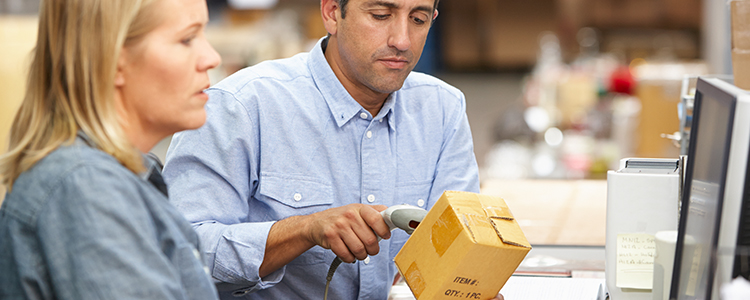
<point x="75" y="174"/>
<point x="77" y="159"/>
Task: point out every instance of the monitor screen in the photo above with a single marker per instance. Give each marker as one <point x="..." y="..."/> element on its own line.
<point x="703" y="193"/>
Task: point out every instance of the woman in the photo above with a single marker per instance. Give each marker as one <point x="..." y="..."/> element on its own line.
<point x="86" y="215"/>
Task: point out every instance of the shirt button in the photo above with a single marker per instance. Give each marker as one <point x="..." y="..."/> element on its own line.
<point x="369" y="134"/>
<point x="381" y="120"/>
<point x="420" y="202"/>
<point x="371" y="198"/>
<point x="363" y="115"/>
<point x="297" y="197"/>
<point x="367" y="260"/>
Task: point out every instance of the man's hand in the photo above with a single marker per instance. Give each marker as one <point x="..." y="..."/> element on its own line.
<point x="499" y="297"/>
<point x="348" y="230"/>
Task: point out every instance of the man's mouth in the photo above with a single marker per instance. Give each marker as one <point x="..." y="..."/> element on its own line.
<point x="394" y="62"/>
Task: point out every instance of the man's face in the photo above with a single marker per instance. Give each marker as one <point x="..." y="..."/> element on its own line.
<point x="379" y="42"/>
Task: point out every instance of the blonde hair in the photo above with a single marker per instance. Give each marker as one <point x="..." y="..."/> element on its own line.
<point x="71" y="81"/>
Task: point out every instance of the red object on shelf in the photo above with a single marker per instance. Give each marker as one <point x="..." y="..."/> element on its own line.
<point x="622" y="81"/>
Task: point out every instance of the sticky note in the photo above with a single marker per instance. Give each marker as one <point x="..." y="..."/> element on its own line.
<point x="635" y="260"/>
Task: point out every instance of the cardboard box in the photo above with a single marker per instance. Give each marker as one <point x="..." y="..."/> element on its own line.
<point x="741" y="68"/>
<point x="513" y="29"/>
<point x="460" y="34"/>
<point x="466" y="247"/>
<point x="491" y="34"/>
<point x="659" y="100"/>
<point x="741" y="43"/>
<point x="741" y="24"/>
<point x="682" y="14"/>
<point x="618" y="13"/>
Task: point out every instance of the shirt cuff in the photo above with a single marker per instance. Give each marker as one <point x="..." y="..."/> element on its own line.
<point x="264" y="283"/>
<point x="239" y="254"/>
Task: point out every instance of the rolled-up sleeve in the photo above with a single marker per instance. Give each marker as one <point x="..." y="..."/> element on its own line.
<point x="211" y="173"/>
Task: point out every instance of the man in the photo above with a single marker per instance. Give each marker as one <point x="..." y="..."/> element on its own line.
<point x="305" y="151"/>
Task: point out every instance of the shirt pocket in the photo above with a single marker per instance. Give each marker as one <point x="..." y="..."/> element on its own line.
<point x="415" y="193"/>
<point x="297" y="196"/>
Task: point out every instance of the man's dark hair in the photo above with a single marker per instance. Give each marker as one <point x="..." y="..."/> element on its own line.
<point x="342" y="5"/>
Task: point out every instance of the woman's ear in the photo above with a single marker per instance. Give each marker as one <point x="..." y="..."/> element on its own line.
<point x="120" y="72"/>
<point x="330" y="12"/>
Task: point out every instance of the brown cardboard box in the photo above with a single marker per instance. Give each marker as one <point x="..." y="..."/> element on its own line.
<point x="659" y="100"/>
<point x="631" y="13"/>
<point x="493" y="34"/>
<point x="741" y="67"/>
<point x="467" y="246"/>
<point x="658" y="88"/>
<point x="741" y="43"/>
<point x="682" y="13"/>
<point x="513" y="31"/>
<point x="741" y="24"/>
<point x="459" y="27"/>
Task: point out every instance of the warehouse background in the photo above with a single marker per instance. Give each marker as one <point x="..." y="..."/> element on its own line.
<point x="558" y="89"/>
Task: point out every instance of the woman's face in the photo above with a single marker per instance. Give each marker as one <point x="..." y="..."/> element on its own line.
<point x="161" y="78"/>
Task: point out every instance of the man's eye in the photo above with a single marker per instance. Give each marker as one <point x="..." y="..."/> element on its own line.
<point x="380" y="17"/>
<point x="419" y="21"/>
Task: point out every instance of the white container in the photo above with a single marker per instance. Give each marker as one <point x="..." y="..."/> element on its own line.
<point x="666" y="243"/>
<point x="642" y="198"/>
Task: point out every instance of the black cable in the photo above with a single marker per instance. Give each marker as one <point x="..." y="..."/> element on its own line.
<point x="332" y="269"/>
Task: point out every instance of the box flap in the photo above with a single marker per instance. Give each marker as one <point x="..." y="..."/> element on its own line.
<point x="498" y="213"/>
<point x="509" y="232"/>
<point x="497" y="221"/>
<point x="495" y="209"/>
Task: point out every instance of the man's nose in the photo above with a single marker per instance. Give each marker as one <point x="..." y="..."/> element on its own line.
<point x="399" y="35"/>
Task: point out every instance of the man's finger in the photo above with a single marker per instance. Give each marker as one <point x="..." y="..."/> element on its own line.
<point x="341" y="250"/>
<point x="374" y="220"/>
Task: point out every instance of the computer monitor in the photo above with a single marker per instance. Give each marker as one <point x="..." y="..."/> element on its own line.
<point x="715" y="206"/>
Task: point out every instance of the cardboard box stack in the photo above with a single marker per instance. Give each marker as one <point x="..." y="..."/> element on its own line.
<point x="741" y="43"/>
<point x="491" y="34"/>
<point x="467" y="246"/>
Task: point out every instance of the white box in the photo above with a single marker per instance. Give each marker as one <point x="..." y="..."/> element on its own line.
<point x="642" y="198"/>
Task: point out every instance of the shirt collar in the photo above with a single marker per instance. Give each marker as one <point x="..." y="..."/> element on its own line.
<point x="150" y="161"/>
<point x="386" y="111"/>
<point x="343" y="107"/>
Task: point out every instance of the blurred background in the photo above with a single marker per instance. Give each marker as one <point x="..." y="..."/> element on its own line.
<point x="555" y="89"/>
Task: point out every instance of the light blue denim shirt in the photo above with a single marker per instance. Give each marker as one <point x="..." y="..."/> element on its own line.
<point x="284" y="138"/>
<point x="78" y="225"/>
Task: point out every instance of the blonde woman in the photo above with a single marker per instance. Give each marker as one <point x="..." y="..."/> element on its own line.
<point x="86" y="215"/>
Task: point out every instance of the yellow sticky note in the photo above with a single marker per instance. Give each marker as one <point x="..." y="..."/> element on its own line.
<point x="635" y="260"/>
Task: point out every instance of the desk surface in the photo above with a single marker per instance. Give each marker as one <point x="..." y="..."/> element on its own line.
<point x="556" y="212"/>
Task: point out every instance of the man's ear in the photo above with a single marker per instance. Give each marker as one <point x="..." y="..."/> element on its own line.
<point x="120" y="72"/>
<point x="434" y="16"/>
<point x="330" y="12"/>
